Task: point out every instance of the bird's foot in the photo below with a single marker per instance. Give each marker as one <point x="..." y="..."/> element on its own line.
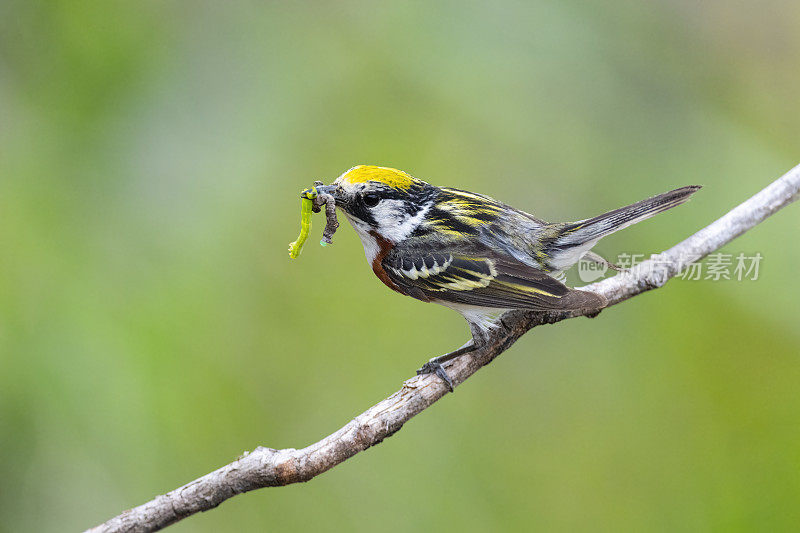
<point x="433" y="367"/>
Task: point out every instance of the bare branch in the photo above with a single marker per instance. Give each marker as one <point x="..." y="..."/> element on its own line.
<point x="265" y="467"/>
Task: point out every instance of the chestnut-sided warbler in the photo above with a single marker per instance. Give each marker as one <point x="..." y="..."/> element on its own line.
<point x="471" y="253"/>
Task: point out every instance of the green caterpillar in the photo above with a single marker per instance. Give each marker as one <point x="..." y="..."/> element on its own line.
<point x="306" y="203"/>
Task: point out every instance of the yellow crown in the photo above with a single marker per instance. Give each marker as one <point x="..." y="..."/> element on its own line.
<point x="388" y="176"/>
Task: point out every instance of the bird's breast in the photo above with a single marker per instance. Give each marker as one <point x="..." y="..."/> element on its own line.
<point x="383" y="248"/>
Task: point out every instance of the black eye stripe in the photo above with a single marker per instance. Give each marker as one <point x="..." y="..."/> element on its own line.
<point x="412" y="200"/>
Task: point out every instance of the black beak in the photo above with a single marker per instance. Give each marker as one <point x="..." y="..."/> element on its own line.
<point x="334" y="191"/>
<point x="327" y="189"/>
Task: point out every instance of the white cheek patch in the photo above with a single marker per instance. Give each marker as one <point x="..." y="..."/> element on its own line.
<point x="394" y="223"/>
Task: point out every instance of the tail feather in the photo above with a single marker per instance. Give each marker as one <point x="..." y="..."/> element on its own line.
<point x="594" y="228"/>
<point x="574" y="239"/>
<point x="583" y="300"/>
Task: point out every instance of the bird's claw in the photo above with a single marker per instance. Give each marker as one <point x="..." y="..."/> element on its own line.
<point x="432" y="367"/>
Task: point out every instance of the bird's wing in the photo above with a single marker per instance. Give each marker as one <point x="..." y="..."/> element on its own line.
<point x="483" y="278"/>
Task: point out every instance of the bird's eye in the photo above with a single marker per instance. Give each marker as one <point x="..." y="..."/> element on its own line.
<point x="371" y="199"/>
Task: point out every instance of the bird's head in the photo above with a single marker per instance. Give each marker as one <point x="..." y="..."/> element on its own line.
<point x="381" y="202"/>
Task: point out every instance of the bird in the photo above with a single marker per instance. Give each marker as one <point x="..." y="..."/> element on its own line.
<point x="472" y="253"/>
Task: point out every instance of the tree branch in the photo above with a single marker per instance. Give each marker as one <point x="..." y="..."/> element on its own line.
<point x="266" y="467"/>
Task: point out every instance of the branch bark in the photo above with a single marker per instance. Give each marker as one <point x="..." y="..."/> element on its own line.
<point x="267" y="467"/>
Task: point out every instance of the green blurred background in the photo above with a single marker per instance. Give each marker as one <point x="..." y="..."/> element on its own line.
<point x="152" y="327"/>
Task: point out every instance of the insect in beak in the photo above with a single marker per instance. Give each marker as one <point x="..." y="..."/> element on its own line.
<point x="328" y="189"/>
